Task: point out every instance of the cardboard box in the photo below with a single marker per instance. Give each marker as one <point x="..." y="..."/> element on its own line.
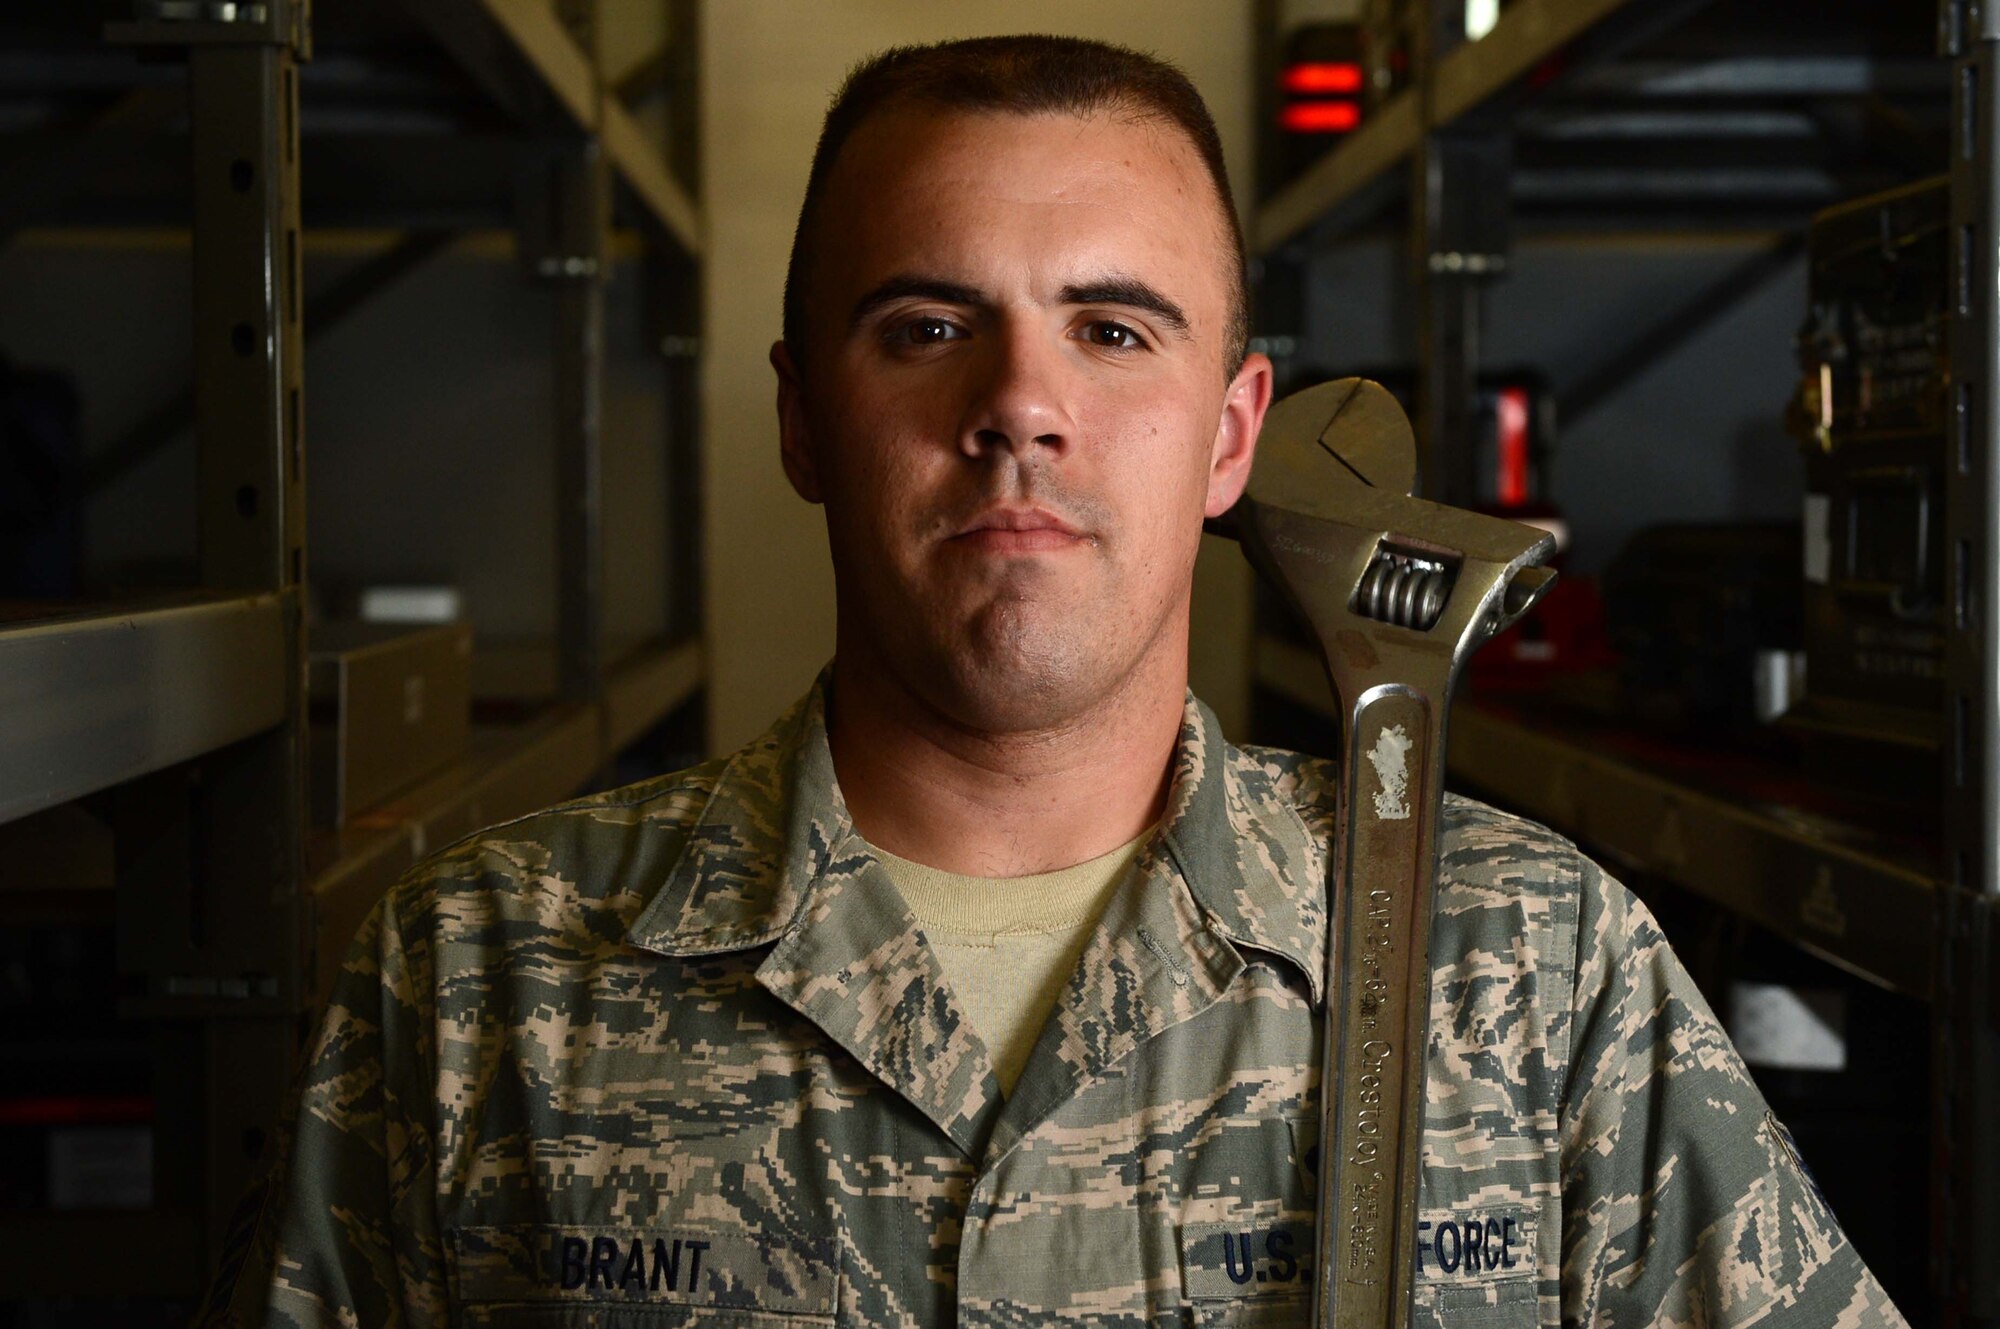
<point x="390" y="704"/>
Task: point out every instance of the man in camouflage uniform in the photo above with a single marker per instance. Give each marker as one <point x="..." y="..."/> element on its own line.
<point x="681" y="1053"/>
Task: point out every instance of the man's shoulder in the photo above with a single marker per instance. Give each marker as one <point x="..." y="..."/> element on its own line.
<point x="603" y="851"/>
<point x="1506" y="886"/>
<point x="1478" y="844"/>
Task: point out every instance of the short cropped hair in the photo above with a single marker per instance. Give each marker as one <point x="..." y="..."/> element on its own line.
<point x="1025" y="75"/>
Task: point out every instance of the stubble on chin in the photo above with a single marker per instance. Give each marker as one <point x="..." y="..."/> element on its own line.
<point x="1020" y="665"/>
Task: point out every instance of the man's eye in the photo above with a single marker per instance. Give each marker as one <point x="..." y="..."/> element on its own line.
<point x="925" y="332"/>
<point x="1116" y="336"/>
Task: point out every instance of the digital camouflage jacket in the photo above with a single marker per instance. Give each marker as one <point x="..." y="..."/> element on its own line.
<point x="679" y="1055"/>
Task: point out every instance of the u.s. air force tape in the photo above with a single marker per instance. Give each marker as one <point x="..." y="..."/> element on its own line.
<point x="1477" y="1244"/>
<point x="1236" y="1260"/>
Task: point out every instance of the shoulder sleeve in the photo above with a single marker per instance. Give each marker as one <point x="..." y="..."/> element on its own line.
<point x="1684" y="1201"/>
<point x="343" y="1230"/>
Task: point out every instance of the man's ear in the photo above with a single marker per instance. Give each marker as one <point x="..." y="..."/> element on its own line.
<point x="1235" y="448"/>
<point x="795" y="449"/>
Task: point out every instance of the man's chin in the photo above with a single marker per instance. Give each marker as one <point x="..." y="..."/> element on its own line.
<point x="1016" y="691"/>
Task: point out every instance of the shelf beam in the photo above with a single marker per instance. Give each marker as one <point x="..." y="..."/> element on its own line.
<point x="1652" y="345"/>
<point x="645" y="174"/>
<point x="535" y="31"/>
<point x="1388" y="137"/>
<point x="91" y="700"/>
<point x="519" y="52"/>
<point x="1528" y="33"/>
<point x="1863" y="912"/>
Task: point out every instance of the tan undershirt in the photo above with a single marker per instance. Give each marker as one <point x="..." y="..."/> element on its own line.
<point x="1008" y="944"/>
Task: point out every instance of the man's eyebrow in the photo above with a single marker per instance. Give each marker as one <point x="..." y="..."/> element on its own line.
<point x="1130" y="292"/>
<point x="914" y="287"/>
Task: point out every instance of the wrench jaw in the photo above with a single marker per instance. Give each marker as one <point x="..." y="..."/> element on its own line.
<point x="1521" y="594"/>
<point x="1328" y="515"/>
<point x="1410" y="598"/>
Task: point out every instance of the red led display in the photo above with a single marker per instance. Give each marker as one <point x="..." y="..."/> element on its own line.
<point x="1511" y="417"/>
<point x="1323" y="77"/>
<point x="1320" y="117"/>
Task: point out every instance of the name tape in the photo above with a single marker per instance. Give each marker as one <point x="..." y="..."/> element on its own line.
<point x="712" y="1265"/>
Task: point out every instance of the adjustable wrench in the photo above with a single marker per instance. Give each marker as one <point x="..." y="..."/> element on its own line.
<point x="1398" y="593"/>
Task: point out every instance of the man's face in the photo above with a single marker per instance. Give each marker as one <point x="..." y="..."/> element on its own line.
<point x="1014" y="405"/>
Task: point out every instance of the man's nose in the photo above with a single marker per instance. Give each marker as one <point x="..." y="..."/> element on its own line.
<point x="1020" y="398"/>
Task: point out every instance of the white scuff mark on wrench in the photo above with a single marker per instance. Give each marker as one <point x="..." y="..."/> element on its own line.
<point x="1391" y="759"/>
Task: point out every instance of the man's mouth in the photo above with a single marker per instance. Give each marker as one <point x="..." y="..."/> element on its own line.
<point x="1005" y="530"/>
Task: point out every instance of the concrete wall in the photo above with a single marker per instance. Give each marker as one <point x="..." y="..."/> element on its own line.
<point x="768" y="69"/>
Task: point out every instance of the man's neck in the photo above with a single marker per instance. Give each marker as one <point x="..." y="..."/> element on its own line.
<point x="1001" y="805"/>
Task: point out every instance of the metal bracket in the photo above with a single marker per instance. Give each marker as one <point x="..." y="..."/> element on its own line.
<point x="1463" y="231"/>
<point x="286" y="23"/>
<point x="1963" y="22"/>
<point x="562" y="212"/>
<point x="565" y="266"/>
<point x="1454" y="263"/>
<point x="1468" y="186"/>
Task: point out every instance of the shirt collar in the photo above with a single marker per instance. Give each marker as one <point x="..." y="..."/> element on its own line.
<point x="776" y="821"/>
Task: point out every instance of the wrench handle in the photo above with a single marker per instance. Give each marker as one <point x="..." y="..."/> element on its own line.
<point x="1378" y="997"/>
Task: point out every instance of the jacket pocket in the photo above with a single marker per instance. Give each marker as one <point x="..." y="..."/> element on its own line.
<point x="1248" y="1275"/>
<point x="1509" y="1303"/>
<point x="1254" y="1313"/>
<point x="1476" y="1267"/>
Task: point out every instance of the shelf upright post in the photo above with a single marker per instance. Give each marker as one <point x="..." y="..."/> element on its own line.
<point x="212" y="934"/>
<point x="573" y="255"/>
<point x="674" y="281"/>
<point x="1460" y="224"/>
<point x="1385" y="28"/>
<point x="1966" y="1121"/>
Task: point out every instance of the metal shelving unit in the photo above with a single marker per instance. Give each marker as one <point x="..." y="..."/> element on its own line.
<point x="1919" y="919"/>
<point x="182" y="717"/>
